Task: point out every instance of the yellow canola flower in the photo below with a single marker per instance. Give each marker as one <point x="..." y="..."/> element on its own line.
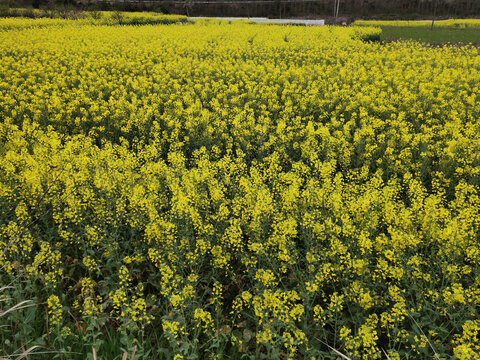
<point x="248" y="184"/>
<point x="55" y="313"/>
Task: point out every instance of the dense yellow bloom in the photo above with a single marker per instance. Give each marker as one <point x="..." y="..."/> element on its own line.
<point x="173" y="328"/>
<point x="90" y="264"/>
<point x="266" y="278"/>
<point x="454" y="294"/>
<point x="55" y="314"/>
<point x="267" y="187"/>
<point x="216" y="297"/>
<point x="203" y="319"/>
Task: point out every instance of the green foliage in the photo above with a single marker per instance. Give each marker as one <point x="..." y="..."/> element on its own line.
<point x="438" y="35"/>
<point x="445" y="31"/>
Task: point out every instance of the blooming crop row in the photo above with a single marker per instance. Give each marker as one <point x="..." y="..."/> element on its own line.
<point x="88" y="18"/>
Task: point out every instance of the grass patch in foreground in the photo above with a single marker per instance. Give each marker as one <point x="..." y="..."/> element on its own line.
<point x="436" y="35"/>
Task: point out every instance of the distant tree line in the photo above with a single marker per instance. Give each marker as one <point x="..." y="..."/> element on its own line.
<point x="398" y="9"/>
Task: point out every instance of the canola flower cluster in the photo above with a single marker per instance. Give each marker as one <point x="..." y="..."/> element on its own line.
<point x="451" y="23"/>
<point x="241" y="188"/>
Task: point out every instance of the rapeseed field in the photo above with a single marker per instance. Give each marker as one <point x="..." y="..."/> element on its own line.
<point x="227" y="191"/>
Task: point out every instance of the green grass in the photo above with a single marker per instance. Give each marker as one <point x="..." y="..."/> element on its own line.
<point x="437" y="35"/>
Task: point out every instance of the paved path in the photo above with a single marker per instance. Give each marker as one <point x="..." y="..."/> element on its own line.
<point x="265" y="20"/>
